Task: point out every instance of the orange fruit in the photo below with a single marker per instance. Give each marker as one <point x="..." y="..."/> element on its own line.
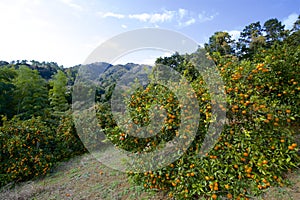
<point x="214" y="196"/>
<point x="265" y="162"/>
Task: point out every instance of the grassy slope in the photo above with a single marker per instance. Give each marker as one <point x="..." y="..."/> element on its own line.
<point x="84" y="177"/>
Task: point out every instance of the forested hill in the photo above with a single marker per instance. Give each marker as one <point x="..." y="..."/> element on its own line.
<point x="47" y="69"/>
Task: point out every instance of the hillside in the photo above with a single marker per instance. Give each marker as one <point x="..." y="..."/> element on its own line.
<point x="84" y="178"/>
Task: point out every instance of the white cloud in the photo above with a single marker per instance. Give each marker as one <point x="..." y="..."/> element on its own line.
<point x="123" y="26"/>
<point x="181" y="16"/>
<point x="187" y="18"/>
<point x="203" y="17"/>
<point x="141" y="17"/>
<point x="111" y="14"/>
<point x="153" y="18"/>
<point x="162" y="17"/>
<point x="235" y="34"/>
<point x="290" y="20"/>
<point x="71" y="4"/>
<point x="182" y="13"/>
<point x="190" y="22"/>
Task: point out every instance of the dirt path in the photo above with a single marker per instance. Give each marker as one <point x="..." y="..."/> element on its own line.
<point x="84" y="177"/>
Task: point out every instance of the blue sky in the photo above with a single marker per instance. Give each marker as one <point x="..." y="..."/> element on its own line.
<point x="67" y="31"/>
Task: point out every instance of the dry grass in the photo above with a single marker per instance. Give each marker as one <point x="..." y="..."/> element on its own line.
<point x="80" y="178"/>
<point x="84" y="177"/>
<point x="289" y="192"/>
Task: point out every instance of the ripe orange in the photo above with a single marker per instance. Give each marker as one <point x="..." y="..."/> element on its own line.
<point x="229" y="196"/>
<point x="294" y="145"/>
<point x="290" y="147"/>
<point x="214" y="196"/>
<point x="265" y="162"/>
<point x="273" y="147"/>
<point x="259" y="187"/>
<point x="249" y="170"/>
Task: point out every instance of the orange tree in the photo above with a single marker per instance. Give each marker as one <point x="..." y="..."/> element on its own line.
<point x="26" y="148"/>
<point x="30" y="148"/>
<point x="257" y="143"/>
